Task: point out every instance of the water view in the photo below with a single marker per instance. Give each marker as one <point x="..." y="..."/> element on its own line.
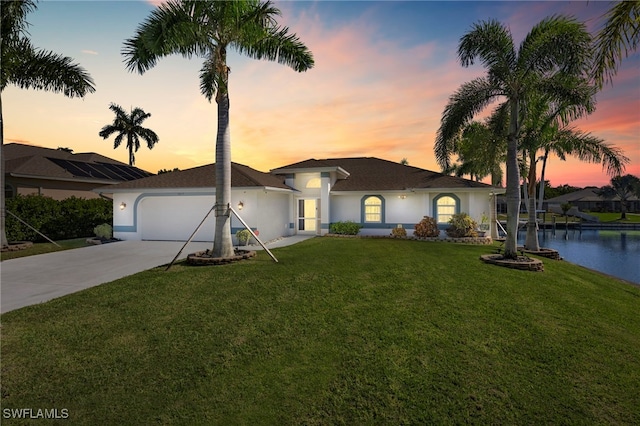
<point x="615" y="253"/>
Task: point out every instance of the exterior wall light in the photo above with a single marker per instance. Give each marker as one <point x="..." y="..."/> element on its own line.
<point x="240" y="205"/>
<point x="123" y="205"/>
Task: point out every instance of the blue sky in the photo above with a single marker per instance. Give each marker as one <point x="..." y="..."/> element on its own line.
<point x="384" y="71"/>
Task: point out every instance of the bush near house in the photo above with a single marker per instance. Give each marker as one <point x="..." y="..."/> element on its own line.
<point x="57" y="219"/>
<point x="345" y="228"/>
<point x="426" y="228"/>
<point x="462" y="225"/>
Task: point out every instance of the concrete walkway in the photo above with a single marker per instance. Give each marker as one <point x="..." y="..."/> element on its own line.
<point x="35" y="279"/>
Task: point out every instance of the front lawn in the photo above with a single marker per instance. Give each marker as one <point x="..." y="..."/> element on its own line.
<point x="41" y="248"/>
<point x="340" y="331"/>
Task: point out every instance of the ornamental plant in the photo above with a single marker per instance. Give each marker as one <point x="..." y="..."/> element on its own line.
<point x="345" y="228"/>
<point x="103" y="231"/>
<point x="462" y="225"/>
<point x="399" y="232"/>
<point x="426" y="228"/>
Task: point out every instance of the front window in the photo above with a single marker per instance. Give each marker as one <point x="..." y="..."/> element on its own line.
<point x="446" y="207"/>
<point x="373" y="209"/>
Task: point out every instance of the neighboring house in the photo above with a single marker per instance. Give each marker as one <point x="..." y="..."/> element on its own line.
<point x="301" y="198"/>
<point x="587" y="199"/>
<point x="60" y="174"/>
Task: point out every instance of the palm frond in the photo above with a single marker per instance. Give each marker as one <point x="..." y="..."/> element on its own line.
<point x="277" y="44"/>
<point x="492" y="43"/>
<point x="621" y="32"/>
<point x="556" y="44"/>
<point x="171" y="28"/>
<point x="44" y="70"/>
<point x="471" y="98"/>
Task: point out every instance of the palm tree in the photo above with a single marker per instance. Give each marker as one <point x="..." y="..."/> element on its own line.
<point x="29" y="68"/>
<point x="546" y="127"/>
<point x="481" y="151"/>
<point x="622" y="187"/>
<point x="129" y="125"/>
<point x="209" y="29"/>
<point x="556" y="48"/>
<point x="620" y="32"/>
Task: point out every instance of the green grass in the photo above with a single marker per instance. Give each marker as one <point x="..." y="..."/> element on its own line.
<point x="340" y="331"/>
<point x="615" y="217"/>
<point x="41" y="248"/>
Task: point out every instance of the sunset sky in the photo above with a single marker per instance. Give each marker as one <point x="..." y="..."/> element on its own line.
<point x="384" y="71"/>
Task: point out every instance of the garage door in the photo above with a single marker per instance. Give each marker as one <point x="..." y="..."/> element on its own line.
<point x="174" y="218"/>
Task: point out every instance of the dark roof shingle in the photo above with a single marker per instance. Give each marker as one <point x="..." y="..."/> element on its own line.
<point x="204" y="177"/>
<point x="375" y="174"/>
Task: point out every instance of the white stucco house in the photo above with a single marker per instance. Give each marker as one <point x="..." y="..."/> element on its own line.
<point x="300" y="198"/>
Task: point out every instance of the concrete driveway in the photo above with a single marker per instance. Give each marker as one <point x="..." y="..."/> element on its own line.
<point x="35" y="279"/>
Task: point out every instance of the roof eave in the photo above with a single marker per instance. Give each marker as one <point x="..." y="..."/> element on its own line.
<point x="63" y="179"/>
<point x="286" y="170"/>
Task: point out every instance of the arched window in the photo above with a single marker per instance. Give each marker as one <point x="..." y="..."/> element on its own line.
<point x="445" y="206"/>
<point x="372" y="209"/>
<point x="314" y="183"/>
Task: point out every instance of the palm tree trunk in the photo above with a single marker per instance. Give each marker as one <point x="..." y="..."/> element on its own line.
<point x="222" y="243"/>
<point x="531" y="241"/>
<point x="542" y="184"/>
<point x="513" y="185"/>
<point x="3" y="236"/>
<point x="130" y="145"/>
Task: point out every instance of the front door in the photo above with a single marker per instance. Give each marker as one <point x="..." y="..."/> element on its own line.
<point x="308" y="215"/>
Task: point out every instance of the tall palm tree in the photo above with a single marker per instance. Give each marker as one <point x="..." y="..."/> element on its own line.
<point x="29" y="68"/>
<point x="622" y="187"/>
<point x="546" y="128"/>
<point x="620" y="32"/>
<point x="209" y="29"/>
<point x="129" y="125"/>
<point x="555" y="48"/>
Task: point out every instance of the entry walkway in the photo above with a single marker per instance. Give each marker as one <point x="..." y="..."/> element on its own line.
<point x="35" y="279"/>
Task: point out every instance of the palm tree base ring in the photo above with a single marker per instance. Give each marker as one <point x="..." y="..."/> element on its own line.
<point x="202" y="258"/>
<point x="522" y="263"/>
<point x="545" y="252"/>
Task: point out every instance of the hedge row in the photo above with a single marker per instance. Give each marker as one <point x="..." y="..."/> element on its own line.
<point x="58" y="220"/>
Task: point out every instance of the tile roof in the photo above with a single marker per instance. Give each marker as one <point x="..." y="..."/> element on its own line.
<point x="375" y="174"/>
<point x="203" y="177"/>
<point x="47" y="163"/>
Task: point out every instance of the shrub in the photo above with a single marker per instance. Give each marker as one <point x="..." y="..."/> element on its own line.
<point x="104" y="231"/>
<point x="70" y="218"/>
<point x="462" y="225"/>
<point x="426" y="228"/>
<point x="399" y="232"/>
<point x="345" y="228"/>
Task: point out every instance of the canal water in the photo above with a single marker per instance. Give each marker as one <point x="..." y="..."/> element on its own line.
<point x="615" y="253"/>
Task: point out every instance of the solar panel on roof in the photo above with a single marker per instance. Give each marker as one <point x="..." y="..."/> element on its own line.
<point x="69" y="167"/>
<point x="100" y="170"/>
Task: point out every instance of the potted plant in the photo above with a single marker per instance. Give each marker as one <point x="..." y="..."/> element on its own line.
<point x="243" y="236"/>
<point x="484" y="225"/>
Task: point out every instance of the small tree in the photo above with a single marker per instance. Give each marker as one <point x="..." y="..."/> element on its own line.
<point x="622" y="187"/>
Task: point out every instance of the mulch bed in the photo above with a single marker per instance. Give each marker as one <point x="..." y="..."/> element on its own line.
<point x="202" y="258"/>
<point x="17" y="245"/>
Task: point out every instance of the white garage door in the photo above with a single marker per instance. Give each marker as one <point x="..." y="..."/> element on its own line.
<point x="175" y="218"/>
